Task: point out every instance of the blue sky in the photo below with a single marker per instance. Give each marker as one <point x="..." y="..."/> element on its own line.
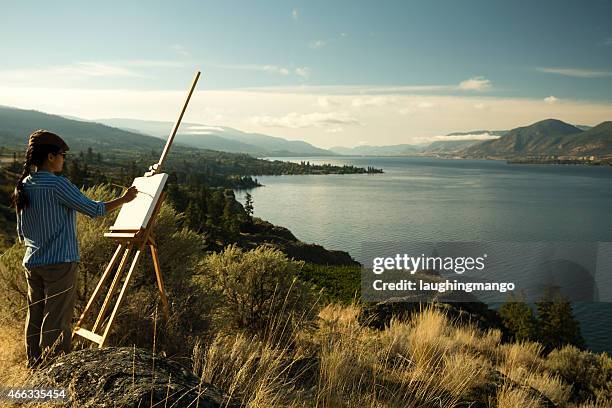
<point x="312" y="69"/>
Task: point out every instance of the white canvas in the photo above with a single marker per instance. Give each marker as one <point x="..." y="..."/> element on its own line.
<point x="136" y="214"/>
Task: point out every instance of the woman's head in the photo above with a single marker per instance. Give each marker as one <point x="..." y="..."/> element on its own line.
<point x="46" y="151"/>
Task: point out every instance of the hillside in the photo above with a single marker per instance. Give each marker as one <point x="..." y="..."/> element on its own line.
<point x="595" y="141"/>
<point x="549" y="137"/>
<point x="17" y="124"/>
<point x="221" y="138"/>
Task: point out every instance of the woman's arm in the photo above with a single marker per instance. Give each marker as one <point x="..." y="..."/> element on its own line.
<point x="69" y="195"/>
<point x="128" y="196"/>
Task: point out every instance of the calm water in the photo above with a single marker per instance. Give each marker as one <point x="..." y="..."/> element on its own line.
<point x="425" y="199"/>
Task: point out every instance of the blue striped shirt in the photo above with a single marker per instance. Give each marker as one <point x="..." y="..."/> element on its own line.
<point x="47" y="225"/>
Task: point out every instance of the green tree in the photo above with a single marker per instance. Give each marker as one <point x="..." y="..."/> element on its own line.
<point x="519" y="318"/>
<point x="557" y="325"/>
<point x="230" y="219"/>
<point x="248" y="205"/>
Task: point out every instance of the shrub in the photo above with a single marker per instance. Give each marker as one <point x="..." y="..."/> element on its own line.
<point x="258" y="290"/>
<point x="590" y="374"/>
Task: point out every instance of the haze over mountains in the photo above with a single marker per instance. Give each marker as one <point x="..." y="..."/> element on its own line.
<point x="119" y="134"/>
<point x="550" y="137"/>
<point x="221" y="138"/>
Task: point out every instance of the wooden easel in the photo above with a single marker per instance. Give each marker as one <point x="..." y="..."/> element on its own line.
<point x="129" y="240"/>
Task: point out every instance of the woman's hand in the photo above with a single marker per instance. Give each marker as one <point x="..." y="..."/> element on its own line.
<point x="129" y="194"/>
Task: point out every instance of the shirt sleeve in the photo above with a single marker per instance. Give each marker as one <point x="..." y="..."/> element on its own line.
<point x="69" y="195"/>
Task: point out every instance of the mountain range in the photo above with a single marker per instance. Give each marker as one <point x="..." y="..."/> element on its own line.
<point x="550" y="137"/>
<point x="120" y="134"/>
<point x="220" y="138"/>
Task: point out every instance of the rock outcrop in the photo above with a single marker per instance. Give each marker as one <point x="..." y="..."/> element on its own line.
<point x="127" y="377"/>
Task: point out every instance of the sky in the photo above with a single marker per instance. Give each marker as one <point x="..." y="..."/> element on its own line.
<point x="332" y="73"/>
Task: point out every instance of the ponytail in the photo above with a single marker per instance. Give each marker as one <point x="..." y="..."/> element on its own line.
<point x="20" y="198"/>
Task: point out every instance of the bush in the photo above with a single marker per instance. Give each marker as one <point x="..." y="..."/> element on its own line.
<point x="340" y="283"/>
<point x="257" y="290"/>
<point x="590" y="374"/>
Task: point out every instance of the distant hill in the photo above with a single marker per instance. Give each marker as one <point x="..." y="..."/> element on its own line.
<point x="17" y="124"/>
<point x="596" y="141"/>
<point x="439" y="147"/>
<point x="392" y="150"/>
<point x="547" y="137"/>
<point x="221" y="138"/>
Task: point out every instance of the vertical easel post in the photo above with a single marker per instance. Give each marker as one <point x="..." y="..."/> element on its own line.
<point x="128" y="239"/>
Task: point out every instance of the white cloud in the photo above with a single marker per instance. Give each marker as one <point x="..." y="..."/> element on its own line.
<point x="551" y="99"/>
<point x="315" y="45"/>
<point x="180" y="49"/>
<point x="326" y="102"/>
<point x="295" y="14"/>
<point x="337" y="129"/>
<point x="61" y="75"/>
<point x="405" y="111"/>
<point x="376" y="101"/>
<point x="575" y="72"/>
<point x="475" y="84"/>
<point x="425" y="105"/>
<point x="273" y="69"/>
<point x="475" y="136"/>
<point x="202" y="129"/>
<point x="74" y="71"/>
<point x="303" y="72"/>
<point x="296" y="120"/>
<point x="268" y="69"/>
<point x="149" y="64"/>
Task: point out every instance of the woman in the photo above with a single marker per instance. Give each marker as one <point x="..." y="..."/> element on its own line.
<point x="46" y="206"/>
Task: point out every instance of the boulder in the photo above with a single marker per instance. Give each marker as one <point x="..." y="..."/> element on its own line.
<point x="127" y="377"/>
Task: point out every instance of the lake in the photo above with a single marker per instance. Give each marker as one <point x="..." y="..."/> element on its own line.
<point x="427" y="199"/>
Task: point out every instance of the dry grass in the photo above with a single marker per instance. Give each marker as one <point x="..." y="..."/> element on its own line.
<point x="552" y="386"/>
<point x="511" y="397"/>
<point x="12" y="356"/>
<point x="428" y="361"/>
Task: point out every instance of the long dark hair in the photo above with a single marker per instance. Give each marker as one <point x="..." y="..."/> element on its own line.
<point x="35" y="155"/>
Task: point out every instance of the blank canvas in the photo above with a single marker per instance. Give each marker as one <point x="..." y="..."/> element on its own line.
<point x="136" y="214"/>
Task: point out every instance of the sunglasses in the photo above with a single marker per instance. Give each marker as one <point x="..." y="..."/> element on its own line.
<point x="63" y="154"/>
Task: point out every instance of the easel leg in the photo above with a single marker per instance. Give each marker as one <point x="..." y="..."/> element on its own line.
<point x="98" y="289"/>
<point x="160" y="281"/>
<point x="121" y="295"/>
<point x="112" y="289"/>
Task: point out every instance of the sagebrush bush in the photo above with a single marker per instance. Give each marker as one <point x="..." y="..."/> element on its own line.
<point x="258" y="289"/>
<point x="590" y="374"/>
